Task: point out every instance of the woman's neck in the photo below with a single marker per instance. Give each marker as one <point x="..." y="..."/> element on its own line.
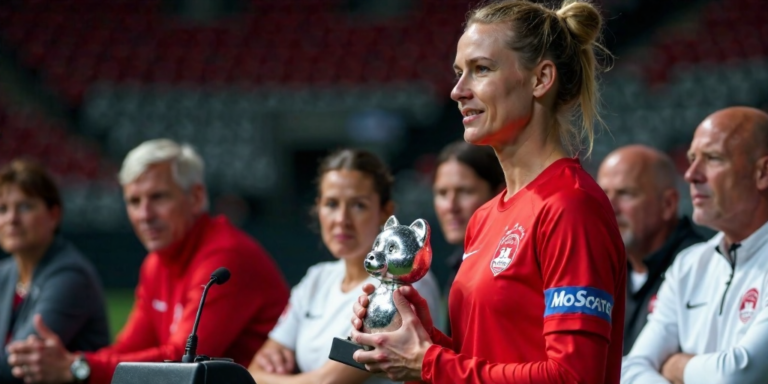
<point x="529" y="154"/>
<point x="27" y="260"/>
<point x="355" y="273"/>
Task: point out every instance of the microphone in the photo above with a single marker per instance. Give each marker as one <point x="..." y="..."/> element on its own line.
<point x="219" y="276"/>
<point x="193" y="369"/>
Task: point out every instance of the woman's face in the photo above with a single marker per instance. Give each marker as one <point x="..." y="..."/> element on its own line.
<point x="350" y="213"/>
<point x="26" y="223"/>
<point x="458" y="193"/>
<point x="495" y="95"/>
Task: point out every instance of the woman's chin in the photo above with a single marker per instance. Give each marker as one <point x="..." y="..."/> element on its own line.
<point x="455" y="238"/>
<point x="477" y="136"/>
<point x="349" y="254"/>
<point x="471" y="135"/>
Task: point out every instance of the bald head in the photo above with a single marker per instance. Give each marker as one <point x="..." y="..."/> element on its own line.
<point x="728" y="172"/>
<point x="644" y="163"/>
<point x="745" y="129"/>
<point x="640" y="183"/>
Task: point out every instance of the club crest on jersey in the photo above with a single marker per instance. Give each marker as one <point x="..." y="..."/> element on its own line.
<point x="507" y="249"/>
<point x="748" y="305"/>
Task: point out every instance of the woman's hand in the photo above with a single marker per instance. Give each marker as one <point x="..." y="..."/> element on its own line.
<point x="400" y="353"/>
<point x="360" y="306"/>
<point x="273" y="357"/>
<point x="417" y="303"/>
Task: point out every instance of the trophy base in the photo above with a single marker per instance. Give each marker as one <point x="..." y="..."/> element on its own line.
<point x="342" y="351"/>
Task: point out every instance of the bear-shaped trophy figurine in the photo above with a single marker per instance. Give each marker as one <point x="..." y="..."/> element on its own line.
<point x="401" y="255"/>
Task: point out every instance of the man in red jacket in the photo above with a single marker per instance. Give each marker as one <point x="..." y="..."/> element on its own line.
<point x="167" y="206"/>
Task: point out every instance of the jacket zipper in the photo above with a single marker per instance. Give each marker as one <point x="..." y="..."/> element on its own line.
<point x="732" y="254"/>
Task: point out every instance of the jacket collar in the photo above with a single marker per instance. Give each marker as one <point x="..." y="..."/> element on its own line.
<point x="747" y="248"/>
<point x="658" y="261"/>
<point x="661" y="256"/>
<point x="57" y="245"/>
<point x="176" y="256"/>
<point x="454" y="260"/>
<point x="8" y="278"/>
<point x="8" y="286"/>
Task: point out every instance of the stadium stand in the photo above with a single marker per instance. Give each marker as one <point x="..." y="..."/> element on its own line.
<point x="288" y="76"/>
<point x="85" y="175"/>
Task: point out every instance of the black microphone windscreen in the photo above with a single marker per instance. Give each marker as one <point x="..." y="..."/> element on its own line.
<point x="221" y="275"/>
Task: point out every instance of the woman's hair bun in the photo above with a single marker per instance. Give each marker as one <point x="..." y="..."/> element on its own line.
<point x="582" y="19"/>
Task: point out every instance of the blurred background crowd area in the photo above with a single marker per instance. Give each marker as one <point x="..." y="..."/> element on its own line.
<point x="263" y="89"/>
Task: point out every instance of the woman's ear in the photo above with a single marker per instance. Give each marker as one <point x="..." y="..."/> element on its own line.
<point x="545" y="75"/>
<point x="55" y="213"/>
<point x="386" y="211"/>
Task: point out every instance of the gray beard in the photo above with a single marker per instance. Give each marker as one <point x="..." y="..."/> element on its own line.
<point x="629" y="239"/>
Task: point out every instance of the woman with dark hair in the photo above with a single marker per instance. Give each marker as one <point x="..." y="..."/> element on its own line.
<point x="466" y="177"/>
<point x="46" y="277"/>
<point x="354" y="201"/>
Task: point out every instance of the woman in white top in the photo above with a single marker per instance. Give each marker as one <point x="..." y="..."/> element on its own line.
<point x="354" y="201"/>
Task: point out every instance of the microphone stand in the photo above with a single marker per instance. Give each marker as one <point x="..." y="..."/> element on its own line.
<point x="191" y="348"/>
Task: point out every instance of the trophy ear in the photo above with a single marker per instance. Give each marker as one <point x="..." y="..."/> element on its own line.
<point x="391" y="222"/>
<point x="421" y="228"/>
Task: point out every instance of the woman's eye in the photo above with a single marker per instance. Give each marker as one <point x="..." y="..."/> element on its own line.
<point x="482" y="69"/>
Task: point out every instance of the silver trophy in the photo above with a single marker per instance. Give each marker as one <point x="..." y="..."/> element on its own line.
<point x="401" y="255"/>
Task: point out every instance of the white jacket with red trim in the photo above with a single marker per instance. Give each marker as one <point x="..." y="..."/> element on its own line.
<point x="712" y="305"/>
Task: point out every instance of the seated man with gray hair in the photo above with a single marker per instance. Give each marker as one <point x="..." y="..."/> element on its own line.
<point x="166" y="202"/>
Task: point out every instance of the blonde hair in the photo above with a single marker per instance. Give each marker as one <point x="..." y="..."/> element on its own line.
<point x="570" y="38"/>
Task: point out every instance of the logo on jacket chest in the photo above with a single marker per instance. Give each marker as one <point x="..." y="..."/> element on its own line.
<point x="162" y="307"/>
<point x="748" y="305"/>
<point x="507" y="249"/>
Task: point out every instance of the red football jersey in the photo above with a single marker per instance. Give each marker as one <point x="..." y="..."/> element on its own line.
<point x="539" y="297"/>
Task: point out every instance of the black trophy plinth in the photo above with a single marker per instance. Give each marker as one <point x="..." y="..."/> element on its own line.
<point x="342" y="351"/>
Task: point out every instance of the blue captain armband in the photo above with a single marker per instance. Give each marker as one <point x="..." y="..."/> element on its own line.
<point x="578" y="300"/>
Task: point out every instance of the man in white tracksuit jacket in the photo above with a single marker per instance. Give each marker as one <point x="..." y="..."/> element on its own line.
<point x="710" y="321"/>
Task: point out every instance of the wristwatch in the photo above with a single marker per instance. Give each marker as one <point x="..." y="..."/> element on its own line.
<point x="80" y="369"/>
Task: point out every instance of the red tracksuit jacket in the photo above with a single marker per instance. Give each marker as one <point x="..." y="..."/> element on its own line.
<point x="237" y="316"/>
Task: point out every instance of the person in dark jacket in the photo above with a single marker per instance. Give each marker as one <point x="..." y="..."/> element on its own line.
<point x="45" y="274"/>
<point x="466" y="177"/>
<point x="640" y="183"/>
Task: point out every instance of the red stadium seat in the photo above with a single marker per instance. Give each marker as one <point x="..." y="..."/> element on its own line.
<point x="132" y="40"/>
<point x="26" y="135"/>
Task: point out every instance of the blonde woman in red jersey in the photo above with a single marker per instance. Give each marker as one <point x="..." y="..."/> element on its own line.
<point x="539" y="297"/>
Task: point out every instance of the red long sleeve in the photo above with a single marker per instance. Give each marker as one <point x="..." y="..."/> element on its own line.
<point x="566" y="364"/>
<point x="440" y="338"/>
<point x="236" y="319"/>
